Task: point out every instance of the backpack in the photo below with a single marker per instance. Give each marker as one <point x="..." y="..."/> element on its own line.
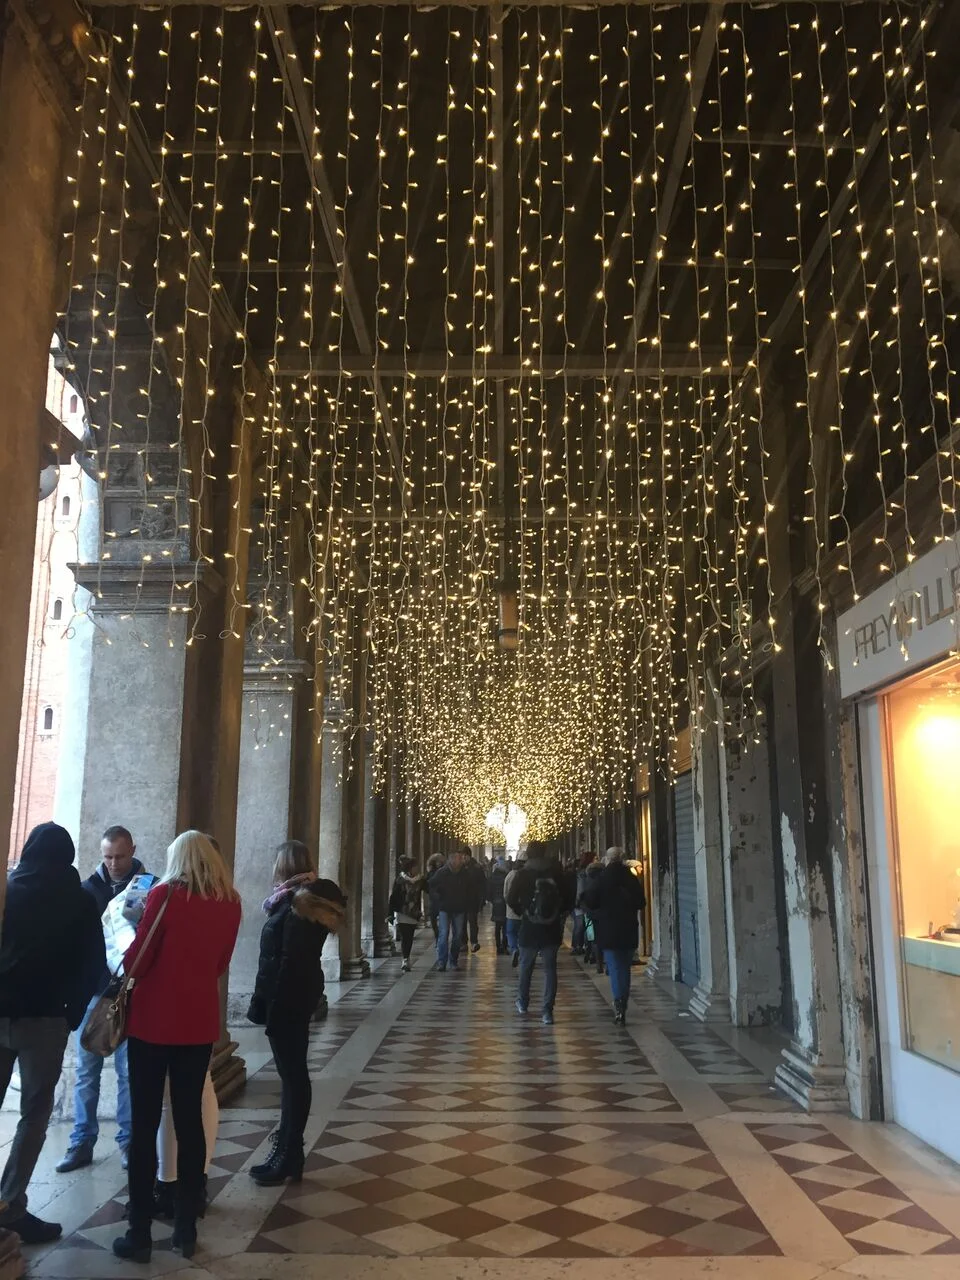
<point x="544" y="906"/>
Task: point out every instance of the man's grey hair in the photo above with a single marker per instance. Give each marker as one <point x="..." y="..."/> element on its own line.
<point x="614" y="854"/>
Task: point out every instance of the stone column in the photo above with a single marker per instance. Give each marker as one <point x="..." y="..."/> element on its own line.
<point x="753" y="940"/>
<point x="812" y="1070"/>
<point x="663" y="949"/>
<point x="368" y="905"/>
<point x="384" y="869"/>
<point x="263" y="803"/>
<point x="38" y="92"/>
<point x="711" y="997"/>
<point x="353" y="962"/>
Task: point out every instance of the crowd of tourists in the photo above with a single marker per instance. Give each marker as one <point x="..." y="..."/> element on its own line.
<point x="531" y="899"/>
<point x="132" y="962"/>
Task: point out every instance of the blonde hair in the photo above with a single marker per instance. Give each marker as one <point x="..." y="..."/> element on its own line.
<point x="195" y="861"/>
<point x="614" y="854"/>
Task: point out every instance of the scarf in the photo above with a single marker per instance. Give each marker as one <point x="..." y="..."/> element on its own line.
<point x="286" y="890"/>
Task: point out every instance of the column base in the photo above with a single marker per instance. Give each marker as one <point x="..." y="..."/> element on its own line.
<point x="709" y="1006"/>
<point x="357" y="967"/>
<point x="12" y="1265"/>
<point x="227" y="1070"/>
<point x="656" y="967"/>
<point x="384" y="947"/>
<point x="815" y="1086"/>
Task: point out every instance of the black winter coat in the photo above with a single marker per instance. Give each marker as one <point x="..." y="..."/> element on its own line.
<point x="452" y="891"/>
<point x="52" y="955"/>
<point x="614" y="898"/>
<point x="522" y="888"/>
<point x="289" y="978"/>
<point x="478" y="885"/>
<point x="498" y="904"/>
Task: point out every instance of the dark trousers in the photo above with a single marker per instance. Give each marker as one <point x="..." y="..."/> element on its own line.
<point x="471" y="926"/>
<point x="405" y="932"/>
<point x="37" y="1044"/>
<point x="289" y="1048"/>
<point x="150" y="1065"/>
<point x="500" y="934"/>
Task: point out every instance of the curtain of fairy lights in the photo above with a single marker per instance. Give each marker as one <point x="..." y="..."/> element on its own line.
<point x="532" y="306"/>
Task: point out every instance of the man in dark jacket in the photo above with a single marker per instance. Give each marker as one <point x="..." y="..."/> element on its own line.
<point x="450" y="888"/>
<point x="478" y="896"/>
<point x="117" y="869"/>
<point x="539" y="894"/>
<point x="615" y="898"/>
<point x="51" y="960"/>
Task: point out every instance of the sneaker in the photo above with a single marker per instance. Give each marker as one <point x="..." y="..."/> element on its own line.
<point x="547" y="1018"/>
<point x="475" y="948"/>
<point x="405" y="967"/>
<point x="33" y="1230"/>
<point x="520" y="1006"/>
<point x="77" y="1157"/>
<point x="124" y="1158"/>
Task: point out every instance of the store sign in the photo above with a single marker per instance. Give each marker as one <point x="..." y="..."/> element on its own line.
<point x="903" y="625"/>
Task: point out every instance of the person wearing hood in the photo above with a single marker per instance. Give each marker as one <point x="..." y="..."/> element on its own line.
<point x="615" y="898"/>
<point x="406" y="904"/>
<point x="498" y="903"/>
<point x="109" y="883"/>
<point x="302" y="911"/>
<point x="51" y="962"/>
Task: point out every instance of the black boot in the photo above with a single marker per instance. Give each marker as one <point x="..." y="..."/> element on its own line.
<point x="135" y="1246"/>
<point x="620" y="1012"/>
<point x="164" y="1199"/>
<point x="184" y="1235"/>
<point x="285" y="1163"/>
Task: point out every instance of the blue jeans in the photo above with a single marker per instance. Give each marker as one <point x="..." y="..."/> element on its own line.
<point x="513" y="934"/>
<point x="451" y="925"/>
<point x="86" y="1093"/>
<point x="618" y="967"/>
<point x="528" y="958"/>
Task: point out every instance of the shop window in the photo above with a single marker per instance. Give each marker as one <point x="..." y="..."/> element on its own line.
<point x="46" y="720"/>
<point x="923" y="736"/>
<point x="56" y="612"/>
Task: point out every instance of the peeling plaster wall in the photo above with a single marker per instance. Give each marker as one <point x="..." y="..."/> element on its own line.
<point x="750" y="868"/>
<point x="798" y="900"/>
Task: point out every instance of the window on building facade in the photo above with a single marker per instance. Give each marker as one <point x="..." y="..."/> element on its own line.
<point x="47" y="720"/>
<point x="57" y="611"/>
<point x="73" y="404"/>
<point x="65" y="507"/>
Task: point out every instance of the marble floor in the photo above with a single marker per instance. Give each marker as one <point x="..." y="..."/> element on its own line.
<point x="452" y="1139"/>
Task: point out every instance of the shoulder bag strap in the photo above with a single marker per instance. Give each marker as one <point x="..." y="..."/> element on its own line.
<point x="149" y="938"/>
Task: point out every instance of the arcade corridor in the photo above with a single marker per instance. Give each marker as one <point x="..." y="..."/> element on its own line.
<point x="445" y="1127"/>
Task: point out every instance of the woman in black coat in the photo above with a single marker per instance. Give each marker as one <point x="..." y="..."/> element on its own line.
<point x="301" y="913"/>
<point x="614" y="899"/>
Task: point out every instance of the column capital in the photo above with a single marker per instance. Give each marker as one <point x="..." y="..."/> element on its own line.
<point x="154" y="588"/>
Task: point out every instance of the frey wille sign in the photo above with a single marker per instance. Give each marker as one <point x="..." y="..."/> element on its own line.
<point x="901" y="626"/>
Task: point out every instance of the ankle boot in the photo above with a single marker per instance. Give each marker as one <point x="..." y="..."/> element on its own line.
<point x="184" y="1236"/>
<point x="286" y="1162"/>
<point x="164" y="1199"/>
<point x="135" y="1246"/>
<point x="620" y="1011"/>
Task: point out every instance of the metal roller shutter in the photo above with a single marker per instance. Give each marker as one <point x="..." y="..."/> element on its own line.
<point x="686" y="880"/>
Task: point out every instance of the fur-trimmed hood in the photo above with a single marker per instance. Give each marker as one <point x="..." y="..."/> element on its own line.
<point x="316" y="903"/>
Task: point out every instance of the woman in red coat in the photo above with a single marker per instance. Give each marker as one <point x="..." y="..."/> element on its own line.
<point x="173" y="1023"/>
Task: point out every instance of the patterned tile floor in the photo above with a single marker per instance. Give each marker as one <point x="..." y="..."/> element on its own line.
<point x="451" y="1138"/>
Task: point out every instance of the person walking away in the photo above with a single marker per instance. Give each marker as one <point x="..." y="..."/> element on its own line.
<point x="579" y="938"/>
<point x="119" y="866"/>
<point x="434" y="863"/>
<point x="498" y="905"/>
<point x="406" y="904"/>
<point x="302" y="911"/>
<point x="173" y="1023"/>
<point x="513" y="917"/>
<point x="592" y="953"/>
<point x="51" y="963"/>
<point x="537" y="894"/>
<point x="452" y="890"/>
<point x="615" y="899"/>
<point x="478" y="895"/>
